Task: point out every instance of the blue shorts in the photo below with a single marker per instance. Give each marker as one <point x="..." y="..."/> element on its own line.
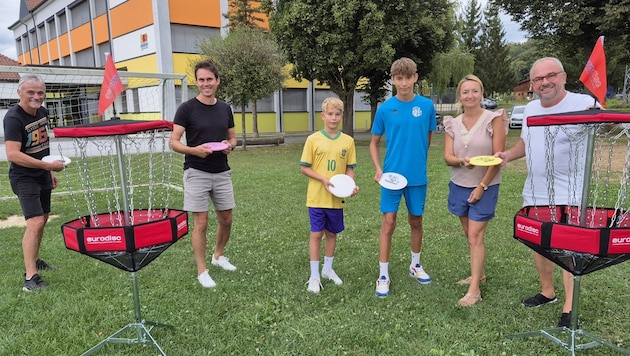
<point x="482" y="210"/>
<point x="415" y="198"/>
<point x="34" y="196"/>
<point x="328" y="219"/>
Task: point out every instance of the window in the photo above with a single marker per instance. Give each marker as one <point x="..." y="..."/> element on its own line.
<point x="319" y="96"/>
<point x="63" y="23"/>
<point x="33" y="41"/>
<point x="100" y="7"/>
<point x="185" y="39"/>
<point x="84" y="58"/>
<point x="102" y="49"/>
<point x="52" y="30"/>
<point x="41" y="33"/>
<point x="262" y="105"/>
<point x="80" y="14"/>
<point x="18" y="45"/>
<point x="294" y="100"/>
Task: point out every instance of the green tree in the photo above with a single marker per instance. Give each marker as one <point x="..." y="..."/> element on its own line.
<point x="246" y="13"/>
<point x="251" y="66"/>
<point x="418" y="45"/>
<point x="339" y="42"/>
<point x="469" y="25"/>
<point x="492" y="61"/>
<point x="571" y="28"/>
<point x="448" y="69"/>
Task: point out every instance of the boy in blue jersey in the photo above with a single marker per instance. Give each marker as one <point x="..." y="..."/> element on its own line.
<point x="326" y="153"/>
<point x="407" y="120"/>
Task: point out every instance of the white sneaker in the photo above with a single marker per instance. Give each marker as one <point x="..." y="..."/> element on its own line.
<point x="382" y="287"/>
<point x="205" y="280"/>
<point x="314" y="285"/>
<point x="224" y="263"/>
<point x="330" y="274"/>
<point x="419" y="274"/>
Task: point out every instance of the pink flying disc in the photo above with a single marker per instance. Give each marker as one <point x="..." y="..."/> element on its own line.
<point x="343" y="185"/>
<point x="216" y="146"/>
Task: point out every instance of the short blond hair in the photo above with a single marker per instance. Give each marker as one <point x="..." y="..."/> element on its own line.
<point x="403" y="66"/>
<point x="332" y="102"/>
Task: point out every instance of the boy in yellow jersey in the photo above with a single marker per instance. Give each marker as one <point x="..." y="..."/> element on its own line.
<point x="326" y="153"/>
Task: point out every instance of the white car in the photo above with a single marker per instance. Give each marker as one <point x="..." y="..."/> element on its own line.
<point x="516" y="116"/>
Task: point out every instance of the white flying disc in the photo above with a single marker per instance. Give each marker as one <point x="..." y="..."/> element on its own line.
<point x="485" y="161"/>
<point x="51" y="158"/>
<point x="393" y="181"/>
<point x="216" y="146"/>
<point x="343" y="185"/>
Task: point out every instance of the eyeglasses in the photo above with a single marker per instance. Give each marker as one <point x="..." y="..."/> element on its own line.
<point x="550" y="77"/>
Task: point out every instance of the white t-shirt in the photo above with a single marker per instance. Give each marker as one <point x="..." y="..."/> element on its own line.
<point x="555" y="155"/>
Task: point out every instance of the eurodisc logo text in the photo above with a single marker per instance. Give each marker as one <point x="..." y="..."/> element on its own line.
<point x="528" y="229"/>
<point x="103" y="239"/>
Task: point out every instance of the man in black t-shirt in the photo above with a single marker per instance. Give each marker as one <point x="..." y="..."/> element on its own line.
<point x="210" y="136"/>
<point x="27" y="142"/>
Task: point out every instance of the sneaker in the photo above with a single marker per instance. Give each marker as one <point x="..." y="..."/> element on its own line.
<point x="382" y="287"/>
<point x="538" y="300"/>
<point x="330" y="274"/>
<point x="205" y="280"/>
<point x="314" y="285"/>
<point x="224" y="263"/>
<point x="33" y="284"/>
<point x="419" y="274"/>
<point x="43" y="266"/>
<point x="565" y="320"/>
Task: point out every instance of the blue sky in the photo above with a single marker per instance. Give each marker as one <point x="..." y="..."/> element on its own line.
<point x="10" y="11"/>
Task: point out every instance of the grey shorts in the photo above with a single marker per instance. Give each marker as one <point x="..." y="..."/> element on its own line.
<point x="200" y="187"/>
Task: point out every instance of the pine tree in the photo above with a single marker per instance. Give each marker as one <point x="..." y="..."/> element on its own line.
<point x="492" y="62"/>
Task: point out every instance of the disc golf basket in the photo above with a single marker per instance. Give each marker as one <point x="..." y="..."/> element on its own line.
<point x="120" y="165"/>
<point x="587" y="227"/>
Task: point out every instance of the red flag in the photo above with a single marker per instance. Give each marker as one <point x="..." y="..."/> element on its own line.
<point x="594" y="74"/>
<point x="111" y="87"/>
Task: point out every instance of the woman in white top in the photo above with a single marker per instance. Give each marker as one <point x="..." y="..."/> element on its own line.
<point x="473" y="190"/>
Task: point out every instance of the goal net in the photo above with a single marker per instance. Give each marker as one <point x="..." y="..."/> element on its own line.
<point x="72" y="96"/>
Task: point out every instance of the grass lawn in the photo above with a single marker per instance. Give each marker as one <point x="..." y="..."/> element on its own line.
<point x="263" y="307"/>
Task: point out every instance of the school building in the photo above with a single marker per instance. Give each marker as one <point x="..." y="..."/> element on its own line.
<point x="155" y="36"/>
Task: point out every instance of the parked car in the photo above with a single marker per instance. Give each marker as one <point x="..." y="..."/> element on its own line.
<point x="488" y="103"/>
<point x="516" y="116"/>
<point x="439" y="125"/>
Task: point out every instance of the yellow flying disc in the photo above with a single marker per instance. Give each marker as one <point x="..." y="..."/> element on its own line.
<point x="485" y="161"/>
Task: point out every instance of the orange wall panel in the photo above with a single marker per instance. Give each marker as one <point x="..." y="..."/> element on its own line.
<point x="54" y="50"/>
<point x="101" y="32"/>
<point x="130" y="16"/>
<point x="81" y="37"/>
<point x="196" y="12"/>
<point x="43" y="52"/>
<point x="64" y="43"/>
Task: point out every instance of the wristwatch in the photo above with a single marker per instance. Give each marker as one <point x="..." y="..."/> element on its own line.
<point x="485" y="187"/>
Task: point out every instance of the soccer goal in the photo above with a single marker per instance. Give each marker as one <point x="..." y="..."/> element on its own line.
<point x="72" y="96"/>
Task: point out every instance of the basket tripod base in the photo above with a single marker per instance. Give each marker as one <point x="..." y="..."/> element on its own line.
<point x="143" y="336"/>
<point x="574" y="336"/>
